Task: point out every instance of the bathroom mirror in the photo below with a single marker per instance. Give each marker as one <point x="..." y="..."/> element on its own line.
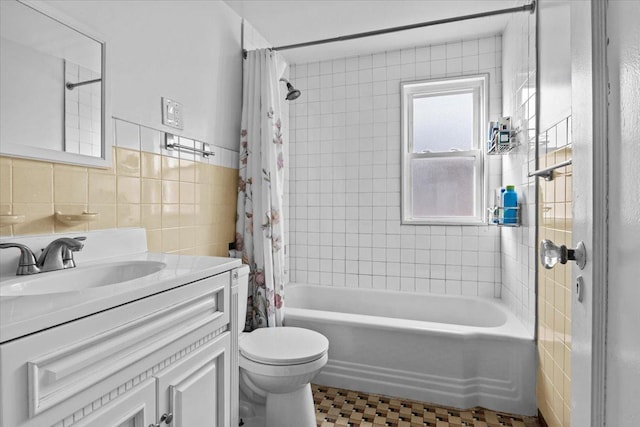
<point x="54" y="97"/>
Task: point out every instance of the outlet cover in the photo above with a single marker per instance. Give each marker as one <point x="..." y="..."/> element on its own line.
<point x="172" y="113"/>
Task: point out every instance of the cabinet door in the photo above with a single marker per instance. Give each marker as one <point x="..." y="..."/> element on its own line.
<point x="195" y="390"/>
<point x="136" y="408"/>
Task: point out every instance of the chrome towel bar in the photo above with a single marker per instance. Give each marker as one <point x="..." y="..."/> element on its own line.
<point x="547" y="173"/>
<point x="169" y="144"/>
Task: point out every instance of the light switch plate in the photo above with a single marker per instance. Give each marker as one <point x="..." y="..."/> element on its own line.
<point x="172" y="113"/>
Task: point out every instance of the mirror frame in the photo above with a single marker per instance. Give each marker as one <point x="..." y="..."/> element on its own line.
<point x="30" y="152"/>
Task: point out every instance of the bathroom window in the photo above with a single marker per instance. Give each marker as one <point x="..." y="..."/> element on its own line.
<point x="443" y="174"/>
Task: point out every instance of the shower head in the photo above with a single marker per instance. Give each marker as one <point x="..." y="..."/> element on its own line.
<point x="292" y="93"/>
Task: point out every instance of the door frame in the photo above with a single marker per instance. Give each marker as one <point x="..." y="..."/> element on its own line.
<point x="591" y="178"/>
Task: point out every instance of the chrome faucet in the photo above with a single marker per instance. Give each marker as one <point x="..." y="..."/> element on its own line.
<point x="57" y="255"/>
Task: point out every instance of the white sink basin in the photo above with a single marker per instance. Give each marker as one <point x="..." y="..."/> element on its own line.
<point x="79" y="278"/>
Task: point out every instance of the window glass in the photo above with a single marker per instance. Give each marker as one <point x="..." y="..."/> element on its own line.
<point x="443" y="186"/>
<point x="443" y="123"/>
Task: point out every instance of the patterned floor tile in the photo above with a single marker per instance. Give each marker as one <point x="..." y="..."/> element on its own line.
<point x="346" y="408"/>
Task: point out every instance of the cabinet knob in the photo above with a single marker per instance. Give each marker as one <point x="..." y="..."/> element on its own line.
<point x="166" y="417"/>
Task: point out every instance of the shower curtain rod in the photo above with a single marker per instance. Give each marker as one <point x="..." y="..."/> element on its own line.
<point x="531" y="7"/>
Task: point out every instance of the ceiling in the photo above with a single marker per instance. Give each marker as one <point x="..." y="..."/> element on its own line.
<point x="283" y="22"/>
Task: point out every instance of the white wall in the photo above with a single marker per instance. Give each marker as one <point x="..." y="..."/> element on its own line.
<point x="187" y="50"/>
<point x="623" y="339"/>
<point x="345" y="177"/>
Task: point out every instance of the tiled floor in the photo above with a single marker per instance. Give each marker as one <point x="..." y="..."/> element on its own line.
<point x="339" y="407"/>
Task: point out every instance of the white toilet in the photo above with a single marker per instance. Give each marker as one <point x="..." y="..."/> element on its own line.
<point x="276" y="368"/>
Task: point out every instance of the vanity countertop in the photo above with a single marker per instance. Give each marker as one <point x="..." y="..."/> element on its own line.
<point x="24" y="315"/>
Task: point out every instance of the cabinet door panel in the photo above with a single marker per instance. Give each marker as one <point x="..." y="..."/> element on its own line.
<point x="195" y="389"/>
<point x="193" y="398"/>
<point x="136" y="408"/>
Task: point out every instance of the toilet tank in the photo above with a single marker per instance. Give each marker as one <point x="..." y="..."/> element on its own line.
<point x="243" y="294"/>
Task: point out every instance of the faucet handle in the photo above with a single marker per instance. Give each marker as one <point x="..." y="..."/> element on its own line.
<point x="58" y="254"/>
<point x="67" y="253"/>
<point x="27" y="263"/>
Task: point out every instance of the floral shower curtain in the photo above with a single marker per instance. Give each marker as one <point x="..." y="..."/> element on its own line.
<point x="259" y="225"/>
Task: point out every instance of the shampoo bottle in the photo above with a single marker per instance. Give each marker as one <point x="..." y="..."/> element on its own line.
<point x="510" y="204"/>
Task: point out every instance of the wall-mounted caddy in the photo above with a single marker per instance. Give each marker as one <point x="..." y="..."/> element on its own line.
<point x="502" y="138"/>
<point x="505" y="211"/>
<point x="497" y="216"/>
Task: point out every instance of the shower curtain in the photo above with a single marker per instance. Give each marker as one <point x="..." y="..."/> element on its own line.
<point x="259" y="225"/>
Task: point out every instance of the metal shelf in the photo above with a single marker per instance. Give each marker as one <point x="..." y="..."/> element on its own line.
<point x="496" y="218"/>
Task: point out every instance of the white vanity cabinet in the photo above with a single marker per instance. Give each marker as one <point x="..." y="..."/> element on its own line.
<point x="193" y="390"/>
<point x="137" y="409"/>
<point x="168" y="353"/>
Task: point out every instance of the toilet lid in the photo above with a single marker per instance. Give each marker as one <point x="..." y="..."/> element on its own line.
<point x="283" y="346"/>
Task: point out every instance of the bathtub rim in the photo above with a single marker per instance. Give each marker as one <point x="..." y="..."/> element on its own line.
<point x="511" y="329"/>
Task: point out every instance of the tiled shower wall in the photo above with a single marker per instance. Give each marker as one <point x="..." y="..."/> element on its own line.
<point x="345" y="171"/>
<point x="186" y="203"/>
<point x="518" y="244"/>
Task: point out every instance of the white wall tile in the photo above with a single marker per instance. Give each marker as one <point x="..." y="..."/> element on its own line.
<point x="345" y="178"/>
<point x="515" y="67"/>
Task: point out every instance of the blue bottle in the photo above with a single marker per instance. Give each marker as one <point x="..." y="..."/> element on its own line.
<point x="510" y="200"/>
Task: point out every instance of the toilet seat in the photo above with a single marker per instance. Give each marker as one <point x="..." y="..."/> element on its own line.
<point x="283" y="346"/>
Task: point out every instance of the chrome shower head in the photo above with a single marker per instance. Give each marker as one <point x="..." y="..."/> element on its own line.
<point x="292" y="93"/>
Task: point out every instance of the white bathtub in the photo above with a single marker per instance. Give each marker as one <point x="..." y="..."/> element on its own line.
<point x="449" y="350"/>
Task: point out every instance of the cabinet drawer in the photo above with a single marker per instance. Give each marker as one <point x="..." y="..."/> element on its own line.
<point x="86" y="358"/>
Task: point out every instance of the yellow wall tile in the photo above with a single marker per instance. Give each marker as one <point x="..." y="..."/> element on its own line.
<point x="127" y="162"/>
<point x="187" y="171"/>
<point x="69" y="185"/>
<point x="128" y="189"/>
<point x="102" y="188"/>
<point x="170" y="168"/>
<point x="107" y="216"/>
<point x="170" y="239"/>
<point x="187" y="215"/>
<point x="151" y="216"/>
<point x="170" y="191"/>
<point x="128" y="215"/>
<point x="170" y="216"/>
<point x="187" y="192"/>
<point x="187" y="237"/>
<point x="151" y="165"/>
<point x="203" y="173"/>
<point x="5" y="180"/>
<point x="151" y="191"/>
<point x="6" y="231"/>
<point x="204" y="236"/>
<point x="187" y="207"/>
<point x="32" y="182"/>
<point x="38" y="218"/>
<point x="154" y="240"/>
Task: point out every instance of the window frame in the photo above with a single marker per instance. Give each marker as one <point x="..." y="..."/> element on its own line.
<point x="478" y="85"/>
